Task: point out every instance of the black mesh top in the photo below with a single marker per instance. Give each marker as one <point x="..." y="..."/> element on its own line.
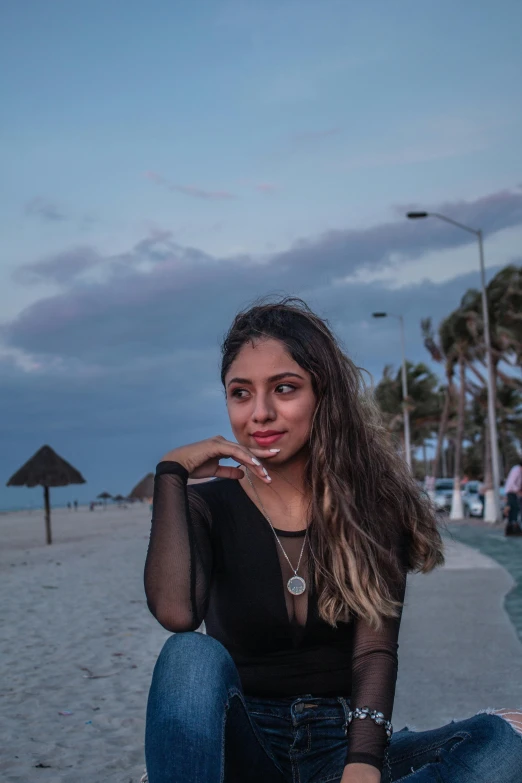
<point x="213" y="557"/>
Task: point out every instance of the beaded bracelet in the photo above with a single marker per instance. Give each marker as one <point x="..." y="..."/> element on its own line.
<point x="377" y="717"/>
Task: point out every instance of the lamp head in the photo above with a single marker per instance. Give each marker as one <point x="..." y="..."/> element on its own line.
<point x="416" y="215"/>
<point x="380" y="315"/>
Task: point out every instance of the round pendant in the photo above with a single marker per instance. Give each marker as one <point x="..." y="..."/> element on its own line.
<point x="296" y="585"/>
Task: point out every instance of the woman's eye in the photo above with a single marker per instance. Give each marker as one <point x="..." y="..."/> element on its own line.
<point x="286" y="386"/>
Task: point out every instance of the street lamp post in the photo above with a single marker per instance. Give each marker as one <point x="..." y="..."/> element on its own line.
<point x="405" y="411"/>
<point x="492" y="504"/>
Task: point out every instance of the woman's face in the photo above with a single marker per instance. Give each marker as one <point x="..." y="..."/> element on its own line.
<point x="270" y="399"/>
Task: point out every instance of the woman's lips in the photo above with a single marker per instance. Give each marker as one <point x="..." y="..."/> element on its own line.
<point x="268" y="439"/>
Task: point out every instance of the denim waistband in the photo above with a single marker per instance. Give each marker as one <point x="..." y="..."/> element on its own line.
<point x="304" y="708"/>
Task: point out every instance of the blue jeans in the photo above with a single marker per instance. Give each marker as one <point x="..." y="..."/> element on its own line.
<point x="514" y="507"/>
<point x="202" y="729"/>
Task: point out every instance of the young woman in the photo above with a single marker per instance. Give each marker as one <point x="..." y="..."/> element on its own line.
<point x="296" y="560"/>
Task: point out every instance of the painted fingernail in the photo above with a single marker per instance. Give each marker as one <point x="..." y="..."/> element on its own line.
<point x="255" y="461"/>
<point x="274" y="450"/>
<point x="265" y="471"/>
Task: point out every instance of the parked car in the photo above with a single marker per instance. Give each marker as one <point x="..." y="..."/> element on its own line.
<point x="473" y="506"/>
<point x="443" y="493"/>
<point x="471" y="502"/>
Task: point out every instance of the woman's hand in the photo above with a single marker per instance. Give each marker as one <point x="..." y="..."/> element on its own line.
<point x="201" y="459"/>
<point x="361" y="773"/>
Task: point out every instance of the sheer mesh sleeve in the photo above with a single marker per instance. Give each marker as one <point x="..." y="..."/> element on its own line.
<point x="374" y="675"/>
<point x="179" y="558"/>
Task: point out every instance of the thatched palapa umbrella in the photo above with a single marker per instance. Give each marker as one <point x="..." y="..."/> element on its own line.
<point x="105" y="496"/>
<point x="47" y="469"/>
<point x="145" y="489"/>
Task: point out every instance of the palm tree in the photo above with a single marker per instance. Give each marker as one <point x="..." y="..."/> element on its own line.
<point x="504" y="294"/>
<point x="505" y="308"/>
<point x="437" y="354"/>
<point x="461" y="345"/>
<point x="457" y="342"/>
<point x="423" y="402"/>
<point x="509" y="405"/>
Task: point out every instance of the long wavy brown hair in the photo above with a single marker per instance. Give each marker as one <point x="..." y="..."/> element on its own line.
<point x="371" y="523"/>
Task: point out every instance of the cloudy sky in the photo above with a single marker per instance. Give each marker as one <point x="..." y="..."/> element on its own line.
<point x="164" y="163"/>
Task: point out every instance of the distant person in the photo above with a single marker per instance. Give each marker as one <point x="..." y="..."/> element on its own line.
<point x="296" y="559"/>
<point x="69" y="505"/>
<point x="482" y="494"/>
<point x="513" y="490"/>
<point x="76" y="505"/>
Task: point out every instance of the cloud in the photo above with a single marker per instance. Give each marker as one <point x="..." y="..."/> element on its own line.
<point x="43" y="208"/>
<point x="490" y="213"/>
<point x="113" y="425"/>
<point x="154" y="250"/>
<point x="158" y="294"/>
<point x="61" y="268"/>
<point x="265" y="187"/>
<point x="261" y="187"/>
<point x="115" y="370"/>
<point x="47" y="210"/>
<point x="134" y="381"/>
<point x="209" y="195"/>
<point x="190" y="190"/>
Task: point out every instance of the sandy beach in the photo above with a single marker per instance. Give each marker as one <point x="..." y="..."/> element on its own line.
<point x="78" y="645"/>
<point x="77" y="638"/>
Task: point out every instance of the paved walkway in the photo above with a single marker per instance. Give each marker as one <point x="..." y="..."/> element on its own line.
<point x="507" y="551"/>
<point x="459" y="652"/>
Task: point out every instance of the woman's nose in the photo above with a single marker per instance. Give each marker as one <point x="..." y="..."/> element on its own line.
<point x="263" y="411"/>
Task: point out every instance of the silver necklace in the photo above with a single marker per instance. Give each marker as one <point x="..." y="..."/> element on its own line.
<point x="296" y="584"/>
<point x="277" y="473"/>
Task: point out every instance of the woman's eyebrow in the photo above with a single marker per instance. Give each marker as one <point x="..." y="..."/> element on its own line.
<point x="272" y="378"/>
